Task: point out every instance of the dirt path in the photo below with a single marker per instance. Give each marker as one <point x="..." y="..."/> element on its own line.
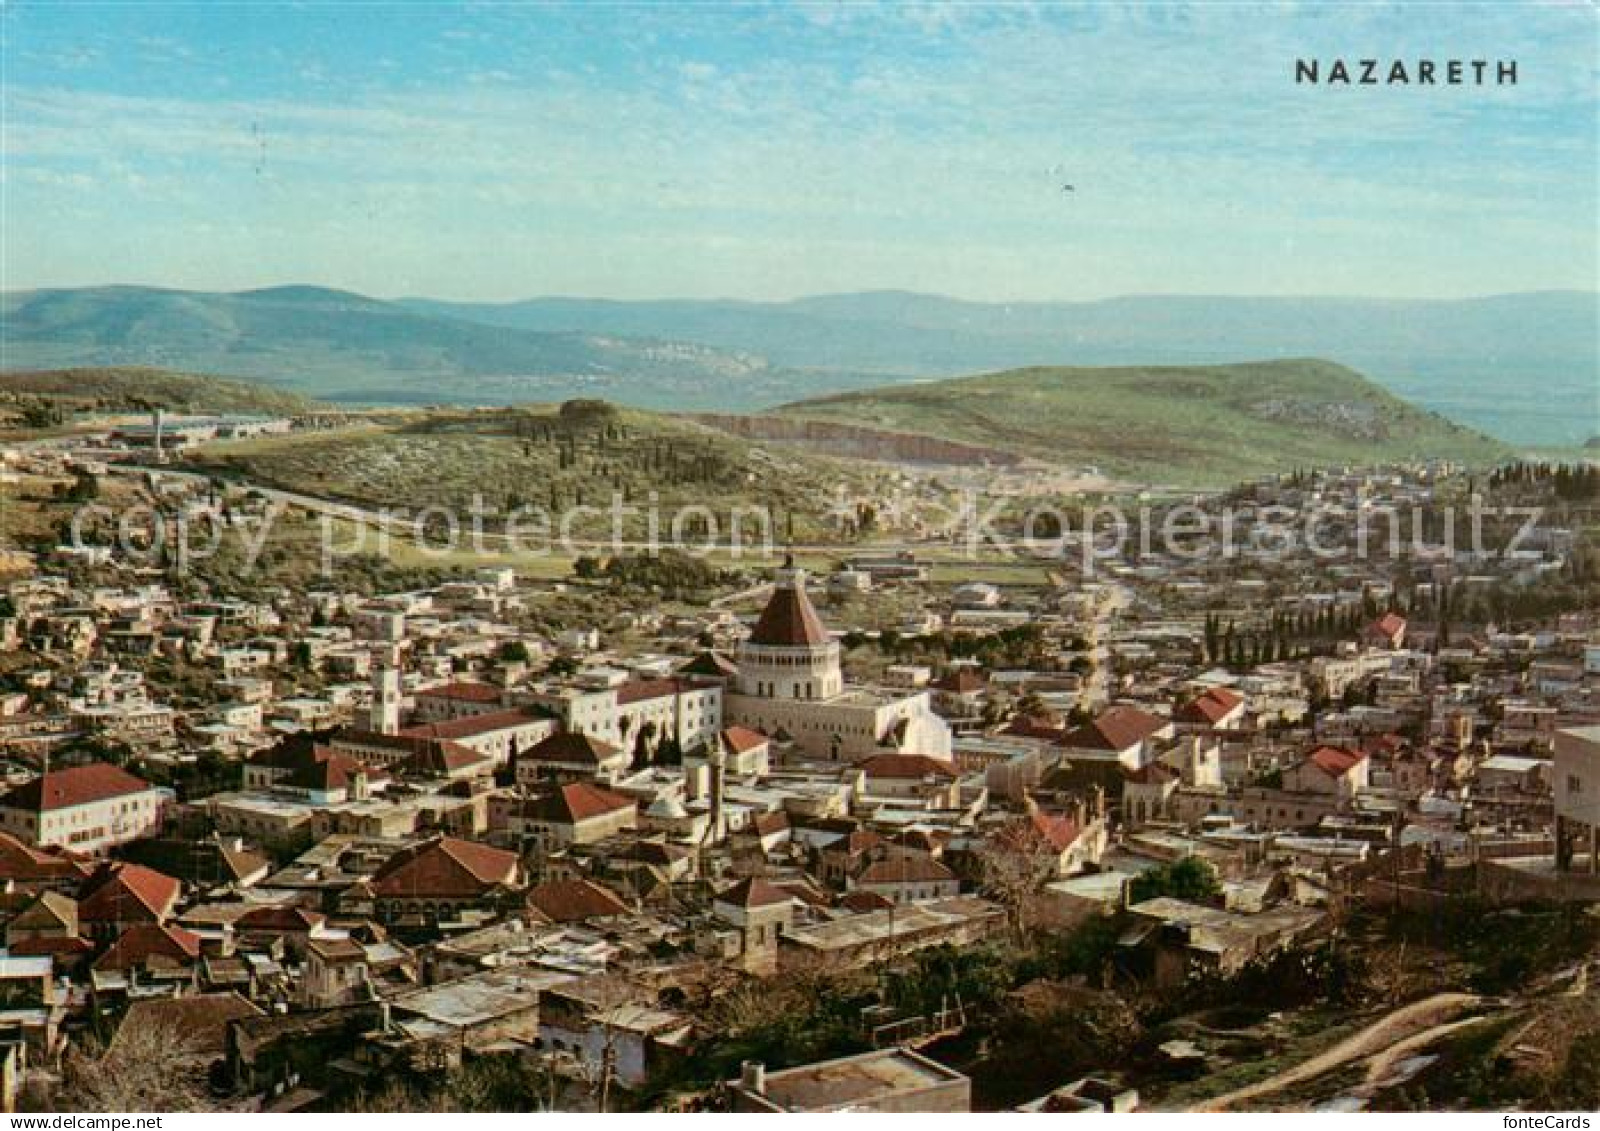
<point x="1396" y="1029"/>
<point x="1580" y="984"/>
<point x="1379" y="1067"/>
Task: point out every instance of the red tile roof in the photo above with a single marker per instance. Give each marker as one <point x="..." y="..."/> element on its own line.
<point x="1028" y="834"/>
<point x="863" y="902"/>
<point x="279" y="919"/>
<point x="923" y="840"/>
<point x="330" y="770"/>
<point x="470" y="726"/>
<point x="1335" y="761"/>
<point x="571" y="748"/>
<point x="571" y="803"/>
<point x="857" y="842"/>
<point x="27" y="866"/>
<point x="770" y="824"/>
<point x="754" y="892"/>
<point x="1211" y="707"/>
<point x="289" y="753"/>
<point x="741" y="740"/>
<point x="902" y="766"/>
<point x="50" y="911"/>
<point x="1117" y="728"/>
<point x="913" y="869"/>
<point x="1061" y="832"/>
<point x="464" y="692"/>
<point x="712" y="664"/>
<point x="654" y="852"/>
<point x="444" y="758"/>
<point x="1389" y="625"/>
<point x="573" y="901"/>
<point x="39" y="945"/>
<point x="804" y="892"/>
<point x="81" y="785"/>
<point x="350" y="737"/>
<point x="122" y="893"/>
<point x="641" y="690"/>
<point x="147" y="943"/>
<point x="1035" y="726"/>
<point x="313" y="766"/>
<point x="445" y="868"/>
<point x="789" y="621"/>
<point x="1156" y="773"/>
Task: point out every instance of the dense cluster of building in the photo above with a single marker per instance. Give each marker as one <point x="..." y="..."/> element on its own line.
<point x="445" y="844"/>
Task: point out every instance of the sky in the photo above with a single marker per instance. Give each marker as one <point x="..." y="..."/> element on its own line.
<point x="502" y="151"/>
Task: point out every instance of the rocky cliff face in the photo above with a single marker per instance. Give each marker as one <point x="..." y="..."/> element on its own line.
<point x="856" y="442"/>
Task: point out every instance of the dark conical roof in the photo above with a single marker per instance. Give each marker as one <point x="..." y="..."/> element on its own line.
<point x="789" y="621"/>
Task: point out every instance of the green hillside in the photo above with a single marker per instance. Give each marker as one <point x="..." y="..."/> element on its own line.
<point x="1188" y="425"/>
<point x="136" y="388"/>
<point x="584" y="453"/>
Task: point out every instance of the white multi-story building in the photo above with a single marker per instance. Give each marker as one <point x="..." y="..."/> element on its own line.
<point x="86" y="808"/>
<point x="617" y="708"/>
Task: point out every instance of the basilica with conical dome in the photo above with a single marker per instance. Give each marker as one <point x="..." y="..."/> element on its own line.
<point x="789" y="654"/>
<point x="790" y="686"/>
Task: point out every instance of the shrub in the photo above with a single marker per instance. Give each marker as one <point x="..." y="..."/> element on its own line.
<point x="1191" y="879"/>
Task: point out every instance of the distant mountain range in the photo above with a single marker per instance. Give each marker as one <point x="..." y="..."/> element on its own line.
<point x="345" y="347"/>
<point x="1525" y="367"/>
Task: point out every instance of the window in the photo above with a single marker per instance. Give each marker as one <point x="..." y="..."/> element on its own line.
<point x="1574" y="783"/>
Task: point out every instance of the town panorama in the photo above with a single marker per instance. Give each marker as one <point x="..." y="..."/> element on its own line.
<point x="1018" y="559"/>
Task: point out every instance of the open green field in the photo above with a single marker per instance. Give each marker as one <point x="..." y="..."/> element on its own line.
<point x="1209" y="425"/>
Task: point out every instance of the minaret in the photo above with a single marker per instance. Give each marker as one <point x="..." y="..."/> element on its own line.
<point x="716" y="763"/>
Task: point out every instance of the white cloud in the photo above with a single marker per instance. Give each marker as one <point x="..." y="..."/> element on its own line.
<point x="904" y="147"/>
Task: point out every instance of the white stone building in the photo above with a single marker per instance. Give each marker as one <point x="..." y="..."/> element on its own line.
<point x="86" y="808"/>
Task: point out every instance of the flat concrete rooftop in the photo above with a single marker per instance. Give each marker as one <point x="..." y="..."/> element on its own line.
<point x="853" y="1080"/>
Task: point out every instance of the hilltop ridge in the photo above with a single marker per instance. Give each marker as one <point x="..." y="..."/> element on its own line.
<point x="1201" y="425"/>
<point x="134" y="388"/>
